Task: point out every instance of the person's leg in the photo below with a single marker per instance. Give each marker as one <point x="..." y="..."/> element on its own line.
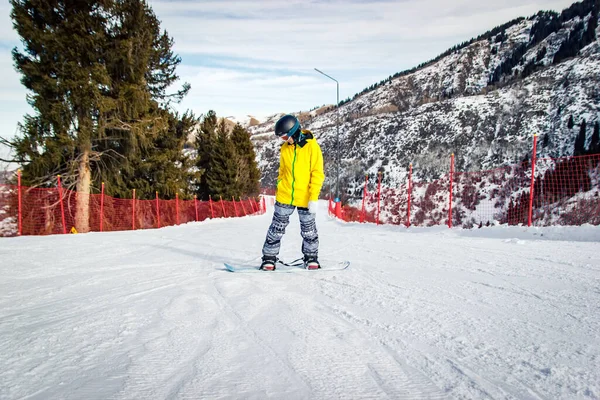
<point x="281" y="219"/>
<point x="310" y="238"/>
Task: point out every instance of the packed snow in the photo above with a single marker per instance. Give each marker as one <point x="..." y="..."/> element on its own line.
<point x="498" y="313"/>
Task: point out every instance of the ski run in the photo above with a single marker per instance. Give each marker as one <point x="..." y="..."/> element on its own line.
<point x="421" y="313"/>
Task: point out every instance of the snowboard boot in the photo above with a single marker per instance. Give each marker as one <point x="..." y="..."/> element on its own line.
<point x="311" y="262"/>
<point x="268" y="263"/>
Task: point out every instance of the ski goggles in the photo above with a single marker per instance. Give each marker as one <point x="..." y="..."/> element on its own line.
<point x="291" y="132"/>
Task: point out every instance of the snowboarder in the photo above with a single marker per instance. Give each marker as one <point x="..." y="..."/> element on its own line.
<point x="298" y="186"/>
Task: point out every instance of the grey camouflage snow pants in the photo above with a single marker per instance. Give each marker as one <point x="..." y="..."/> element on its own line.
<point x="281" y="219"/>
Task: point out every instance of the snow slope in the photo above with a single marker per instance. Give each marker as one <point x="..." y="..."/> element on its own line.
<point x="501" y="313"/>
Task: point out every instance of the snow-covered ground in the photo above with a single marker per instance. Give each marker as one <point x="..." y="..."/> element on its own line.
<point x="501" y="313"/>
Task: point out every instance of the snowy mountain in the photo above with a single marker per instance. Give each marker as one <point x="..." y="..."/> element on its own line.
<point x="482" y="100"/>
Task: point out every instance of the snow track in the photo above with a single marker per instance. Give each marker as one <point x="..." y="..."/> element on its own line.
<point x="499" y="313"/>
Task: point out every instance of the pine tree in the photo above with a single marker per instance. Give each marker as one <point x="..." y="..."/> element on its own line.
<point x="248" y="174"/>
<point x="571" y="123"/>
<point x="206" y="139"/>
<point x="163" y="166"/>
<point x="62" y="66"/>
<point x="545" y="140"/>
<point x="98" y="72"/>
<point x="579" y="148"/>
<point x="226" y="160"/>
<point x="135" y="119"/>
<point x="595" y="142"/>
<point x="221" y="175"/>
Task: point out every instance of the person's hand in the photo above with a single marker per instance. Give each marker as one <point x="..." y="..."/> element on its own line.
<point x="312" y="207"/>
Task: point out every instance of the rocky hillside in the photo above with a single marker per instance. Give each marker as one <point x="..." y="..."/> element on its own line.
<point x="483" y="100"/>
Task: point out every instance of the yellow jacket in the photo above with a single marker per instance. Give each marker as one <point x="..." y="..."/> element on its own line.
<point x="300" y="172"/>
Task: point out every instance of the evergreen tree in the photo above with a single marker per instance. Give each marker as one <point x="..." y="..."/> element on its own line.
<point x="595" y="142"/>
<point x="163" y="166"/>
<point x="206" y="139"/>
<point x="590" y="34"/>
<point x="571" y="123"/>
<point x="98" y="72"/>
<point x="541" y="54"/>
<point x="248" y="174"/>
<point x="62" y="66"/>
<point x="221" y="175"/>
<point x="135" y="120"/>
<point x="226" y="160"/>
<point x="580" y="140"/>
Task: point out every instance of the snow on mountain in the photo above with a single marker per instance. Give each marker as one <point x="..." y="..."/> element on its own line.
<point x="482" y="101"/>
<point x="246" y="120"/>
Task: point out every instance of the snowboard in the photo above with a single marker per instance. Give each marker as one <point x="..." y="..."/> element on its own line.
<point x="287" y="269"/>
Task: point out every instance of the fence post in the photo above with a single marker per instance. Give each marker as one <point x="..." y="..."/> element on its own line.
<point x="20" y="202"/>
<point x="362" y="211"/>
<point x="177" y="208"/>
<point x="409" y="196"/>
<point x="531" y="187"/>
<point x="102" y="209"/>
<point x="223" y="207"/>
<point x="264" y="206"/>
<point x="450" y="194"/>
<point x="196" y="206"/>
<point x="234" y="206"/>
<point x="338" y="209"/>
<point x="157" y="210"/>
<point x="378" y="194"/>
<point x="243" y="208"/>
<point x="133" y="213"/>
<point x="62" y="206"/>
<point x="212" y="212"/>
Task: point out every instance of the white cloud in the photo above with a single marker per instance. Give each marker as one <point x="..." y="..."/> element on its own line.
<point x="358" y="42"/>
<point x="7" y="33"/>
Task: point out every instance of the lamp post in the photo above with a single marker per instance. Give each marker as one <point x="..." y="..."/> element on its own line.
<point x="337" y="143"/>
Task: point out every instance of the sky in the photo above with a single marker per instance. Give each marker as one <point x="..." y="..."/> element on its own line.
<point x="258" y="57"/>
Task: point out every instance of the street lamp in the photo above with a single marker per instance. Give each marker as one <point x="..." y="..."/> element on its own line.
<point x="337" y="143"/>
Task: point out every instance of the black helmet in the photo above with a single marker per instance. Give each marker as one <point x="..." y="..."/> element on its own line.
<point x="287" y="125"/>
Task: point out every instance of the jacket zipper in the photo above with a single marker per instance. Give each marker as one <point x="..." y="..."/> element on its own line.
<point x="293" y="176"/>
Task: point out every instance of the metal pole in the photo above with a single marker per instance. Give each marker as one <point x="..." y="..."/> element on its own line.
<point x="450" y="191"/>
<point x="62" y="205"/>
<point x="157" y="210"/>
<point x="531" y="186"/>
<point x="409" y="197"/>
<point x="20" y="202"/>
<point x="102" y="210"/>
<point x="133" y="212"/>
<point x="337" y="141"/>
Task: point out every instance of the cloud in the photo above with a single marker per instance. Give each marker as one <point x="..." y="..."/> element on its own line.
<point x="357" y="42"/>
<point x="7" y="34"/>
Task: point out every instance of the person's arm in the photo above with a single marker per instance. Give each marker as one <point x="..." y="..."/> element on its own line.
<point x="317" y="176"/>
<point x="280" y="173"/>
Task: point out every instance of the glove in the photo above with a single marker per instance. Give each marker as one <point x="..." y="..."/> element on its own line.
<point x="312" y="207"/>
